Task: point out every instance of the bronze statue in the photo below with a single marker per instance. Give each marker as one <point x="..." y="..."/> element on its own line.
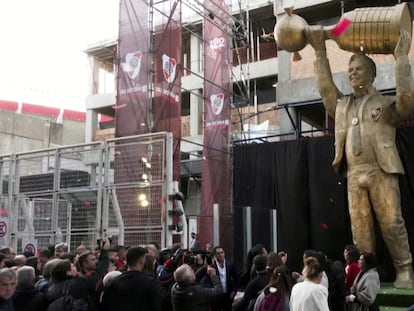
<point x="365" y="121"/>
<point x="365" y="149"/>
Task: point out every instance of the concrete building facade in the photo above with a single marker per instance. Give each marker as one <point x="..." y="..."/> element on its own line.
<point x="26" y="127"/>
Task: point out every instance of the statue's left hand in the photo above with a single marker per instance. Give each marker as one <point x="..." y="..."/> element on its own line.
<point x="403" y="45"/>
<point x="315" y="37"/>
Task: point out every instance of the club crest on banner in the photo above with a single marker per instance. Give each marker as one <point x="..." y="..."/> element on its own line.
<point x="169" y="66"/>
<point x="132" y="64"/>
<point x="217" y="103"/>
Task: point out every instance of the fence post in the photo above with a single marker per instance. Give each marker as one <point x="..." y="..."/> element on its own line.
<point x="216" y="224"/>
<point x="273" y="229"/>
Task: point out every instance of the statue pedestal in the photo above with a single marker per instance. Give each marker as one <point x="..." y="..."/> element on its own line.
<point x="392" y="297"/>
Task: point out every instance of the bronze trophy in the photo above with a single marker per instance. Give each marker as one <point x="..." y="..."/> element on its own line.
<point x="372" y="30"/>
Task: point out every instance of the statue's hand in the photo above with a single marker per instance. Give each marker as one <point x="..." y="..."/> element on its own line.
<point x="316" y="38"/>
<point x="403" y="45"/>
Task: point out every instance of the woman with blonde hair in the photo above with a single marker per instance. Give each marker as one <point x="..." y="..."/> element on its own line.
<point x="310" y="294"/>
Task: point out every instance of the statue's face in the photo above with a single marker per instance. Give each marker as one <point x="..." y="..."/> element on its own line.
<point x="359" y="74"/>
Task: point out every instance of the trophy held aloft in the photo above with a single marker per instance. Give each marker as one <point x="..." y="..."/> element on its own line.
<point x="372" y="30"/>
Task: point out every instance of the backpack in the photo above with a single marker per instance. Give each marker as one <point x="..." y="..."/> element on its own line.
<point x="68" y="303"/>
<point x="271" y="302"/>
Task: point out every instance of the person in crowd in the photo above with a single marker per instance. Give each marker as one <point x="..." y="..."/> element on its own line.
<point x="248" y="271"/>
<point x="7" y="287"/>
<point x="44" y="282"/>
<point x="276" y="294"/>
<point x="69" y="256"/>
<point x="43" y="257"/>
<point x="310" y="294"/>
<point x="121" y="256"/>
<point x="91" y="271"/>
<point x="8" y="252"/>
<point x="364" y="291"/>
<point x="113" y="259"/>
<point x="209" y="247"/>
<point x="133" y="289"/>
<point x="51" y="249"/>
<point x="153" y="251"/>
<point x="27" y="297"/>
<point x="60" y="248"/>
<point x="283" y="256"/>
<point x="228" y="276"/>
<point x="274" y="260"/>
<point x="20" y="260"/>
<point x="34" y="262"/>
<point x="149" y="266"/>
<point x="194" y="242"/>
<point x="255" y="285"/>
<point x="28" y="253"/>
<point x="336" y="290"/>
<point x="351" y="256"/>
<point x="187" y="295"/>
<point x="62" y="277"/>
<point x="322" y="261"/>
<point x="105" y="282"/>
<point x="81" y="249"/>
<point x="2" y="260"/>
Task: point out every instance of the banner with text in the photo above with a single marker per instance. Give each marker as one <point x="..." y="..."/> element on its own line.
<point x="166" y="103"/>
<point x="132" y="108"/>
<point x="216" y="183"/>
<point x="133" y="57"/>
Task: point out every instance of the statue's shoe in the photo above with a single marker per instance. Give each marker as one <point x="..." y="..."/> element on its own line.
<point x="404" y="278"/>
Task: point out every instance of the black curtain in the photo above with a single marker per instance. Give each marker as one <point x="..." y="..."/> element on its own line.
<point x="296" y="179"/>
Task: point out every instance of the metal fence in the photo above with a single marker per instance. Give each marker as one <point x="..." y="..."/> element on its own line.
<point x="82" y="193"/>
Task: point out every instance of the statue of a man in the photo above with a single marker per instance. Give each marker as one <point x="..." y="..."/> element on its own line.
<point x="365" y="149"/>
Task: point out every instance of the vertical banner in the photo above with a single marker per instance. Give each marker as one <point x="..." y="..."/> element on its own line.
<point x="132" y="109"/>
<point x="133" y="56"/>
<point x="166" y="103"/>
<point x="216" y="183"/>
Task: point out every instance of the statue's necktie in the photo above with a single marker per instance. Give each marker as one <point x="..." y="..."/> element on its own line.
<point x="356" y="133"/>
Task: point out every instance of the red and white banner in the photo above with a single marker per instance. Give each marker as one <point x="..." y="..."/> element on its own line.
<point x="133" y="54"/>
<point x="166" y="103"/>
<point x="216" y="184"/>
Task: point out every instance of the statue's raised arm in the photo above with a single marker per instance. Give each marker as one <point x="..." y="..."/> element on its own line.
<point x="403" y="77"/>
<point x="327" y="88"/>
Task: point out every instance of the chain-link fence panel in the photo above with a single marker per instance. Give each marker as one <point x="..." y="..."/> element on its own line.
<point x="82" y="193"/>
<point x="136" y="190"/>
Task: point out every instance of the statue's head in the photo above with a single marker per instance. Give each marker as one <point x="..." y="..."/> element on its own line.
<point x="361" y="71"/>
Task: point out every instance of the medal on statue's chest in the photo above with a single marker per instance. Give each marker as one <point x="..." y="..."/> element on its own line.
<point x="354" y="120"/>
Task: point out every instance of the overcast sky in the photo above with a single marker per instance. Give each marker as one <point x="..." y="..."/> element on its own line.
<point x="42" y="44"/>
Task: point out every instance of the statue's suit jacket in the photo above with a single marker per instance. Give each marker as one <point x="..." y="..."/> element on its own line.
<point x="379" y="121"/>
<point x="380" y="115"/>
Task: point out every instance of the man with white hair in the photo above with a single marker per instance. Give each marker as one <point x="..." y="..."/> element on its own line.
<point x="26" y="296"/>
<point x="186" y="294"/>
<point x="61" y="248"/>
<point x="7" y="288"/>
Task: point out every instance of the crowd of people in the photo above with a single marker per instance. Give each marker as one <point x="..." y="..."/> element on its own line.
<point x="146" y="278"/>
